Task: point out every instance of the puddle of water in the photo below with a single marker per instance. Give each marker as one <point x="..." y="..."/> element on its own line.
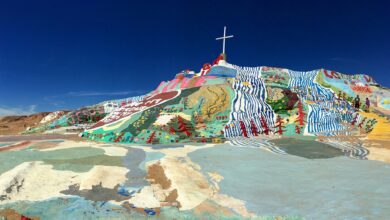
<point x="307" y="148"/>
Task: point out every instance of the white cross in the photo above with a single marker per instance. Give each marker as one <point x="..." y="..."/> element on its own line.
<point x="224" y="38"/>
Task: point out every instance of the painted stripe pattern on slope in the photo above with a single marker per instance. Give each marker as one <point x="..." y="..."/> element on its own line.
<point x="353" y="150"/>
<point x="249" y="103"/>
<point x="324" y="115"/>
<point x="256" y="143"/>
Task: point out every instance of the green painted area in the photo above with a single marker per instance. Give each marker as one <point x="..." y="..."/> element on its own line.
<point x="174" y="213"/>
<point x="203" y="120"/>
<point x="289" y="130"/>
<point x="85" y="115"/>
<point x="79" y="159"/>
<point x="279" y="106"/>
<point x="85" y="163"/>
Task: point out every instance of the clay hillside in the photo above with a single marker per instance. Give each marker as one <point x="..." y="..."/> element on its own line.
<point x="19" y="124"/>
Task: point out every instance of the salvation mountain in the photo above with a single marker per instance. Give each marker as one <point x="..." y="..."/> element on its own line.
<point x="244" y="105"/>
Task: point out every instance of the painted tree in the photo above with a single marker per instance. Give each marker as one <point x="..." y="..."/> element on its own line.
<point x="182" y="126"/>
<point x="185" y="102"/>
<point x="297" y="129"/>
<point x="354" y="120"/>
<point x="362" y="122"/>
<point x="301" y="114"/>
<point x="151" y="138"/>
<point x="119" y="138"/>
<point x="369" y="125"/>
<point x="279" y="125"/>
<point x="264" y="125"/>
<point x="243" y="129"/>
<point x="254" y="128"/>
<point x="172" y="130"/>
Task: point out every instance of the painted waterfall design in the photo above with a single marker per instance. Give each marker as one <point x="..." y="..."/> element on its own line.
<point x="325" y="116"/>
<point x="256" y="143"/>
<point x="249" y="104"/>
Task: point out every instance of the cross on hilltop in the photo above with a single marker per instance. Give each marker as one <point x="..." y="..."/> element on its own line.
<point x="223" y="38"/>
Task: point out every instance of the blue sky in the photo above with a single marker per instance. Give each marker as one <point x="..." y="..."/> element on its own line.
<point x="68" y="54"/>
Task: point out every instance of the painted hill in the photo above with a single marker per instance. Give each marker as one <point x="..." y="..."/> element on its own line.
<point x="228" y="102"/>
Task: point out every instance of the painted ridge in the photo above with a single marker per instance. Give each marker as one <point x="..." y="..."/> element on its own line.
<point x="125" y="112"/>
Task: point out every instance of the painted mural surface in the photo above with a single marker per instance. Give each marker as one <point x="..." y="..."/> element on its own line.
<point x="131" y="108"/>
<point x="228" y="142"/>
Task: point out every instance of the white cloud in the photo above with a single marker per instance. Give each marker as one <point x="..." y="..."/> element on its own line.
<point x="5" y="111"/>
